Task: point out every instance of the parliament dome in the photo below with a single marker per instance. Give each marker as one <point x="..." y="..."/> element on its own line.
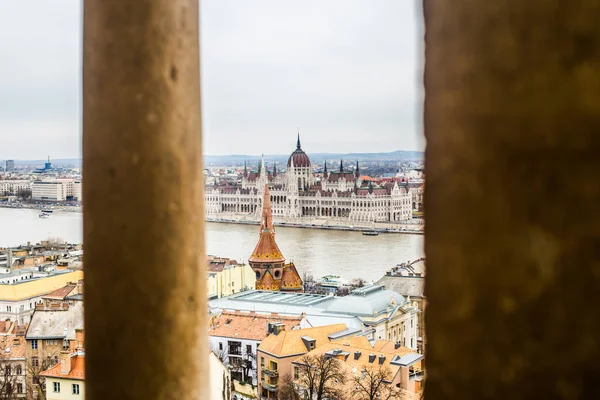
<point x="299" y="157"/>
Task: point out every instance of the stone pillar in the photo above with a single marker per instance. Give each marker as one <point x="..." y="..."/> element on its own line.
<point x="512" y="122"/>
<point x="143" y="219"/>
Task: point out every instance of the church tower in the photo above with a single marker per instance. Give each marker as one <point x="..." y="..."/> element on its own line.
<point x="272" y="273"/>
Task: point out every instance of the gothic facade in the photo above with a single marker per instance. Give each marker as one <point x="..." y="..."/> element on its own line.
<point x="300" y="193"/>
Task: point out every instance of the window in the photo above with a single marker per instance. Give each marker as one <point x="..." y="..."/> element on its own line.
<point x="8" y="370"/>
<point x="273" y="366"/>
<point x="19" y="388"/>
<point x="411" y="323"/>
<point x="296" y="373"/>
<point x="411" y="342"/>
<point x="75" y="388"/>
<point x="262" y="361"/>
<point x="56" y="387"/>
<point x="235" y="348"/>
<point x="19" y="370"/>
<point x="220" y="345"/>
<point x="8" y="308"/>
<point x="248" y="349"/>
<point x="35" y="362"/>
<point x="34" y="344"/>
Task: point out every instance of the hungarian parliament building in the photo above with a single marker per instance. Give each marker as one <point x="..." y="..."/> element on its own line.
<point x="298" y="193"/>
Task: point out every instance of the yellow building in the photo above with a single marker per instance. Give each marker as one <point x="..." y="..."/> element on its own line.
<point x="226" y="277"/>
<point x="66" y="380"/>
<point x="21" y="290"/>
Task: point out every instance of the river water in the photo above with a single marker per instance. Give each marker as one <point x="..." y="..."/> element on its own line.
<point x="320" y="252"/>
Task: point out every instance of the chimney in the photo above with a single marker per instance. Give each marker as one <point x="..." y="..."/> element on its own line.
<point x="79" y="336"/>
<point x="381" y="359"/>
<point x="371" y="358"/>
<point x="397" y="345"/>
<point x="357" y="354"/>
<point x="65" y="362"/>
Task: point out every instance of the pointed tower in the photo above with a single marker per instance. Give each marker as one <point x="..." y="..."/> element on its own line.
<point x="272" y="273"/>
<point x="325" y="170"/>
<point x="298" y="142"/>
<point x="341" y="167"/>
<point x="274" y="170"/>
<point x="356" y="171"/>
<point x="245" y="170"/>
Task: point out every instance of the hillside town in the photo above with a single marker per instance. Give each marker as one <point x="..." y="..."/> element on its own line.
<point x="271" y="335"/>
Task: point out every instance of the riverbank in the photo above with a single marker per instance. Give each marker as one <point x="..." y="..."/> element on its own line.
<point x="323" y="223"/>
<point x="412" y="228"/>
<point x="39" y="206"/>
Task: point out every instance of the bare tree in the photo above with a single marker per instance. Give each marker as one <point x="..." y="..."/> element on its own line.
<point x="245" y="367"/>
<point x="319" y="375"/>
<point x="307" y="277"/>
<point x="24" y="194"/>
<point x="8" y="379"/>
<point x="374" y="384"/>
<point x="287" y="389"/>
<point x="36" y="384"/>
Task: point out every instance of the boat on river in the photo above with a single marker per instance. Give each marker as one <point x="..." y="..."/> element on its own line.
<point x="331" y="281"/>
<point x="44" y="215"/>
<point x="370" y="233"/>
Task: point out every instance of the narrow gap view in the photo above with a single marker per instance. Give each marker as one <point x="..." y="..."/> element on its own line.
<point x="313" y="199"/>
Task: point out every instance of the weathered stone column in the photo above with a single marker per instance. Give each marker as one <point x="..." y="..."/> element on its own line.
<point x="143" y="219"/>
<point x="512" y="121"/>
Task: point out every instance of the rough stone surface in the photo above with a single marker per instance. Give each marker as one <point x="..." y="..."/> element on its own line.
<point x="512" y="122"/>
<point x="143" y="218"/>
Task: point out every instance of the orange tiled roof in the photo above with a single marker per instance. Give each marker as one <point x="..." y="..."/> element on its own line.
<point x="77" y="369"/>
<point x="248" y="325"/>
<point x="290" y="279"/>
<point x="290" y="342"/>
<point x="61" y="293"/>
<point x="13" y="346"/>
<point x="363" y="361"/>
<point x="268" y="283"/>
<point x="266" y="250"/>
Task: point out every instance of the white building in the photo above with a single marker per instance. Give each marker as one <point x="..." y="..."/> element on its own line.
<point x="13" y="186"/>
<point x="298" y="193"/>
<point x="56" y="190"/>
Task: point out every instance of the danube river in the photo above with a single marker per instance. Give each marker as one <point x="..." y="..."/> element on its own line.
<point x="321" y="252"/>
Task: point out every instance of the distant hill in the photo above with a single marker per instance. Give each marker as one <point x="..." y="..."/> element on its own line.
<point x="57" y="163"/>
<point x="398" y="155"/>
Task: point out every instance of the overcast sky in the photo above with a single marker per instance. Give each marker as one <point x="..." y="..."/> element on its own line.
<point x="347" y="72"/>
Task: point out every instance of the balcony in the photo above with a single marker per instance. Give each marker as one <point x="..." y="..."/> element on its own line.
<point x="269" y="387"/>
<point x="273" y="373"/>
<point x="415" y="374"/>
